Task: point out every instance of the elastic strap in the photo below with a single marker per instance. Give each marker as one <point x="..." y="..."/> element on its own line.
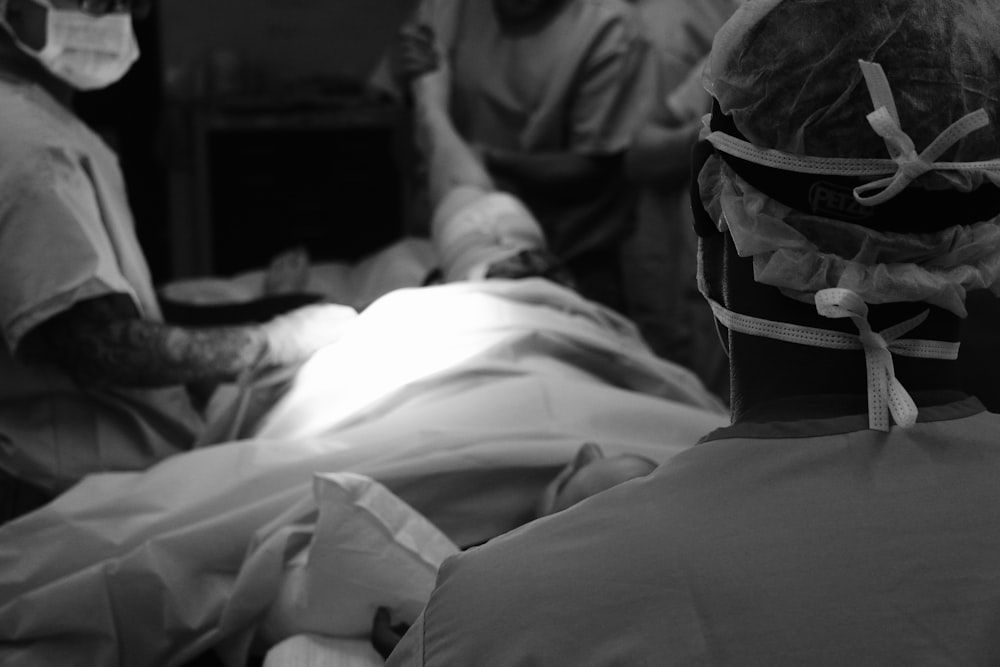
<point x="899" y="170"/>
<point x="886" y="395"/>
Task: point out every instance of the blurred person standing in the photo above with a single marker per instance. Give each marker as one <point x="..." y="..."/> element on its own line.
<point x="548" y="93"/>
<point x="91" y="379"/>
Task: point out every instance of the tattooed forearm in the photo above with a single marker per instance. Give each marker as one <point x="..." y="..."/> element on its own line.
<point x="103" y="341"/>
<point x="142" y="353"/>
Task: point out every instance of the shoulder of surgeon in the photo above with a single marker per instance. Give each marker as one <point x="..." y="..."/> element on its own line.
<point x="568" y="589"/>
<point x="35" y="129"/>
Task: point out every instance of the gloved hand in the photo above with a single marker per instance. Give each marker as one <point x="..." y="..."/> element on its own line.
<point x="295" y="336"/>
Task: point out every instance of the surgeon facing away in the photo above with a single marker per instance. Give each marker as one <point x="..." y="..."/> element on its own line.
<point x="846" y="199"/>
<point x="91" y="379"/>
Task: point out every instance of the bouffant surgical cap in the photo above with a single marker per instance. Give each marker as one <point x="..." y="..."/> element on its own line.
<point x="856" y="162"/>
<point x="897" y="98"/>
<point x="786" y="72"/>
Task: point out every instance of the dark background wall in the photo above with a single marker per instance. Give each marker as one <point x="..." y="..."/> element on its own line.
<point x="243" y="115"/>
<point x="276" y="41"/>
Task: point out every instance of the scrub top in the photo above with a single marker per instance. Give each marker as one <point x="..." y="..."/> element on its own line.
<point x="682" y="32"/>
<point x="570" y="85"/>
<point x="812" y="542"/>
<point x="580" y="85"/>
<point x="66" y="234"/>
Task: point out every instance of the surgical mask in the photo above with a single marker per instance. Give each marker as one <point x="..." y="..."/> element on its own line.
<point x="87" y="52"/>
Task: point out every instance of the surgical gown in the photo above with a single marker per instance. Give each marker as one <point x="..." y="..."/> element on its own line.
<point x="785" y="543"/>
<point x="66" y="235"/>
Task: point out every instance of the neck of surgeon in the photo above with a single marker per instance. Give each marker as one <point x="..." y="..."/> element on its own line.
<point x="771" y="378"/>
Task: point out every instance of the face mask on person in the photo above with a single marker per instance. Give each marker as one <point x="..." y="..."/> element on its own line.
<point x="86" y="51"/>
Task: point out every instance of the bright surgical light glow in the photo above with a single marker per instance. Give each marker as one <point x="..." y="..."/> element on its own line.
<point x="406" y="337"/>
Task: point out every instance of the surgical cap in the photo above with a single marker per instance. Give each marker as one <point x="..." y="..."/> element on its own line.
<point x="786" y="72"/>
<point x="829" y="88"/>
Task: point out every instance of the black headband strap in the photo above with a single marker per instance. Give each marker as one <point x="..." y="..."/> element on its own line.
<point x="914" y="210"/>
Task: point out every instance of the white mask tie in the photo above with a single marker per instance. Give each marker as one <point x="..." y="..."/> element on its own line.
<point x="885" y="121"/>
<point x="886" y="395"/>
<point x="905" y="164"/>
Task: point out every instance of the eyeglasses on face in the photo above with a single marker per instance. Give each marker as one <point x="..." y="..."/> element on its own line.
<point x="139" y="8"/>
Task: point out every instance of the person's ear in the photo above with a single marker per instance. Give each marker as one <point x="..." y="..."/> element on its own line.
<point x="712" y="277"/>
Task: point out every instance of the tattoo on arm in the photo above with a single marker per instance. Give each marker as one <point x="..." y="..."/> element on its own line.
<point x="103" y="340"/>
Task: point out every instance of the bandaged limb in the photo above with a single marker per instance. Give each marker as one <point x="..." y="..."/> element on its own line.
<point x="479" y="231"/>
<point x="455" y="173"/>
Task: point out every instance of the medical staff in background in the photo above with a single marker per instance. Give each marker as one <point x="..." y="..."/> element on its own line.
<point x="658" y="264"/>
<point x="91" y="379"/>
<point x="846" y="200"/>
<point x="548" y="92"/>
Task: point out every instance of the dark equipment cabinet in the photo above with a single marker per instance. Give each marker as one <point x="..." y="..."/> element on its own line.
<point x="269" y="180"/>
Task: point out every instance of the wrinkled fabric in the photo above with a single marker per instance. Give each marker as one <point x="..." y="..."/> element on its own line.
<point x="464" y="400"/>
<point x="786" y="71"/>
<point x="780" y="543"/>
<point x="802" y="254"/>
<point x="325" y="566"/>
